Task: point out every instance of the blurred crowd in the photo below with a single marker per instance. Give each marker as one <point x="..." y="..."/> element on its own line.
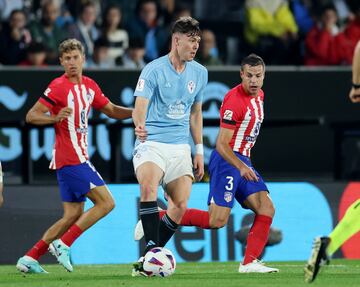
<point x="122" y="33"/>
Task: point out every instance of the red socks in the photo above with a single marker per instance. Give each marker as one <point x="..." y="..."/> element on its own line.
<point x="193" y="217"/>
<point x="71" y="235"/>
<point x="38" y="250"/>
<point x="257" y="238"/>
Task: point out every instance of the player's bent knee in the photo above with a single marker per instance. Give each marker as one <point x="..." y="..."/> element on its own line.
<point x="109" y="206"/>
<point x="266" y="209"/>
<point x="148" y="193"/>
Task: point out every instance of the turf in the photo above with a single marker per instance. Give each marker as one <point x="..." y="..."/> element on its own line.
<point x="338" y="273"/>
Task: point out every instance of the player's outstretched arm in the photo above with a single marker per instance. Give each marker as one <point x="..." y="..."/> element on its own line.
<point x="355" y="90"/>
<point x="139" y="117"/>
<point x="38" y="115"/>
<point x="196" y="127"/>
<point x="224" y="149"/>
<point x="116" y="112"/>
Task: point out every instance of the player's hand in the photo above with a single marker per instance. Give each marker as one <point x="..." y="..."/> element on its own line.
<point x="63" y="114"/>
<point x="198" y="167"/>
<point x="141" y="133"/>
<point x="248" y="173"/>
<point x="354" y="95"/>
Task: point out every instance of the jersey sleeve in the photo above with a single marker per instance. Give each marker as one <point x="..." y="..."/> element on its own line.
<point x="100" y="100"/>
<point x="200" y="95"/>
<point x="50" y="96"/>
<point x="228" y="113"/>
<point x="146" y="83"/>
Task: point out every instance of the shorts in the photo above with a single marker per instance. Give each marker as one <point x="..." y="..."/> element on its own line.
<point x="226" y="183"/>
<point x="75" y="181"/>
<point x="173" y="159"/>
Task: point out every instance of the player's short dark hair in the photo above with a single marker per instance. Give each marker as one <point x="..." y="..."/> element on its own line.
<point x="186" y="25"/>
<point x="71" y="45"/>
<point x="252" y="60"/>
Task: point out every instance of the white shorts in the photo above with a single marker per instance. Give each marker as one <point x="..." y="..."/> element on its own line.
<point x="174" y="159"/>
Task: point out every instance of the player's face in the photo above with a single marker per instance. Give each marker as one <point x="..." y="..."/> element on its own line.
<point x="187" y="46"/>
<point x="252" y="79"/>
<point x="72" y="62"/>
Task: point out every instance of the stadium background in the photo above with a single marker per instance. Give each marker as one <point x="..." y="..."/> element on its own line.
<point x="308" y="122"/>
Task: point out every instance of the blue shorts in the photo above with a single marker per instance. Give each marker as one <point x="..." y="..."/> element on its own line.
<point x="226" y="183"/>
<point x="75" y="181"/>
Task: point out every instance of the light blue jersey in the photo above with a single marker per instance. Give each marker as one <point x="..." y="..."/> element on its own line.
<point x="171" y="96"/>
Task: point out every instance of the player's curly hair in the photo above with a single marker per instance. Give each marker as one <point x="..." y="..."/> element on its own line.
<point x="186" y="25"/>
<point x="70" y="45"/>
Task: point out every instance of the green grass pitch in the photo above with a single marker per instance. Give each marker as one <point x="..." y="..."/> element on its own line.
<point x="218" y="274"/>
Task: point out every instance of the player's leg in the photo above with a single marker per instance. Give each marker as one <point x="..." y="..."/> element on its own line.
<point x="261" y="204"/>
<point x="347" y="227"/>
<point x="29" y="263"/>
<point x="76" y="183"/>
<point x="255" y="196"/>
<point x="178" y="191"/>
<point x="149" y="175"/>
<point x="324" y="247"/>
<point x="103" y="204"/>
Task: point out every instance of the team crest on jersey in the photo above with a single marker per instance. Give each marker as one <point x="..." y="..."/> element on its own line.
<point x="228" y="196"/>
<point x="228" y="115"/>
<point x="191" y="86"/>
<point x="140" y="85"/>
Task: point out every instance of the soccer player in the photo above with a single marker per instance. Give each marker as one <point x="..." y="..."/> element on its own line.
<point x="167" y="109"/>
<point x="324" y="247"/>
<point x="232" y="176"/>
<point x="1" y="186"/>
<point x="66" y="103"/>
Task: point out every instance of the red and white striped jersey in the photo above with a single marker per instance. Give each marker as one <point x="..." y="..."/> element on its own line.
<point x="71" y="140"/>
<point x="243" y="114"/>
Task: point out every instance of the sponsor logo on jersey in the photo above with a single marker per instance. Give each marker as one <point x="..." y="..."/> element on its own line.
<point x="191" y="87"/>
<point x="140" y="85"/>
<point x="176" y="111"/>
<point x="228" y="115"/>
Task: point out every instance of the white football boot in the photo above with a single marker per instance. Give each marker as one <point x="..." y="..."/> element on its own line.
<point x="256" y="266"/>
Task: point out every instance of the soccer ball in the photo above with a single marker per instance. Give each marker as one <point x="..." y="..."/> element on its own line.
<point x="160" y="262"/>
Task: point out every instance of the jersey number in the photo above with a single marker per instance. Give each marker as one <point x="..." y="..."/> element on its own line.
<point x="230" y="184"/>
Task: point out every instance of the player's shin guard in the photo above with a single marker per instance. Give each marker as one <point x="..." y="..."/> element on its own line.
<point x="167" y="229"/>
<point x="149" y="215"/>
<point x="257" y="238"/>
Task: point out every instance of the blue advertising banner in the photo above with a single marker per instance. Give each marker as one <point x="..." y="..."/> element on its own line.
<point x="302" y="212"/>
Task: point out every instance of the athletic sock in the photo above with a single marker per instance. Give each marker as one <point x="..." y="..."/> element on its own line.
<point x="193" y="217"/>
<point x="38" y="250"/>
<point x="167" y="229"/>
<point x="257" y="238"/>
<point x="149" y="215"/>
<point x="71" y="235"/>
<point x="347" y="227"/>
